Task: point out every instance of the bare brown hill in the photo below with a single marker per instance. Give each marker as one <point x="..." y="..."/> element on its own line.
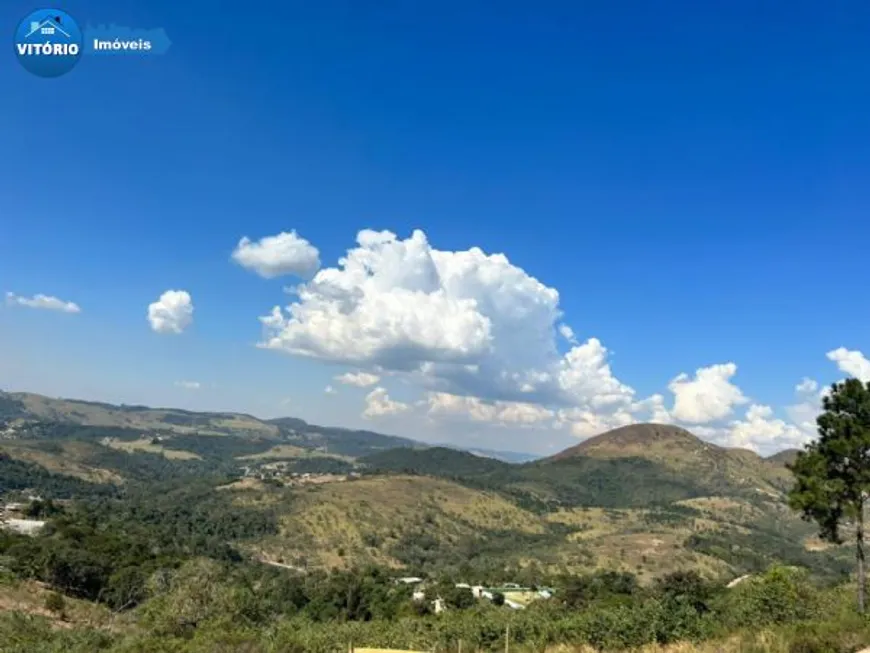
<point x="642" y="440"/>
<point x="678" y="449"/>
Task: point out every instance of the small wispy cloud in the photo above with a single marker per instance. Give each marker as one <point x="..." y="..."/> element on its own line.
<point x="44" y="302"/>
<point x="329" y="390"/>
<point x="360" y="379"/>
<point x="188" y="385"/>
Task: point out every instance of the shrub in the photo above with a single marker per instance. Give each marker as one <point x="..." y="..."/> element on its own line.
<point x="779" y="596"/>
<point x="55" y="604"/>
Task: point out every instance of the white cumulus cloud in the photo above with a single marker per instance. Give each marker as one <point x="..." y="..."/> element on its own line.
<point x="808" y="405"/>
<point x="359" y="379"/>
<point x="275" y="256"/>
<point x="379" y="404"/>
<point x="329" y="390"/>
<point x="172" y="313"/>
<point x="45" y="302"/>
<point x="503" y="413"/>
<point x="462" y="322"/>
<point x="585" y="377"/>
<point x="707" y="397"/>
<point x="851" y="362"/>
<point x="387" y="305"/>
<point x="760" y="431"/>
<point x="486" y="342"/>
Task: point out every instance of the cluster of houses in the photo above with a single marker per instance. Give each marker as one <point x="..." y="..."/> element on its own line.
<point x="279" y="471"/>
<point x="479" y="592"/>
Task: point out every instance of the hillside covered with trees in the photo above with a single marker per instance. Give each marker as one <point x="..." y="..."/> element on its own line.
<point x="187" y="538"/>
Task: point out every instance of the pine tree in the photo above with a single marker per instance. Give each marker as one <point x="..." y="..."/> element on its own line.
<point x="833" y="473"/>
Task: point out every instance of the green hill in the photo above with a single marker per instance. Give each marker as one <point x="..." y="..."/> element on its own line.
<point x="29" y="416"/>
<point x="646" y="498"/>
<point x="645" y="464"/>
<point x="718" y="469"/>
<point x="784" y="457"/>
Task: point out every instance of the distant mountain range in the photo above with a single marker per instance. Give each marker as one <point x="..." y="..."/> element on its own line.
<point x="647" y="498"/>
<point x="341" y="441"/>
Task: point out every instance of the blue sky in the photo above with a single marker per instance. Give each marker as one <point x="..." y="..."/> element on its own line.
<point x="691" y="179"/>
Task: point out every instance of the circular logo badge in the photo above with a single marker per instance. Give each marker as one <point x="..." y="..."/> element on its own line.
<point x="48" y="43"/>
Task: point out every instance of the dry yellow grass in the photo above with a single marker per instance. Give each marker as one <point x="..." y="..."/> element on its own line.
<point x="725" y="509"/>
<point x="28" y="597"/>
<point x="719" y="504"/>
<point x="523" y="598"/>
<point x="653" y="554"/>
<point x="145" y="445"/>
<point x="593" y="523"/>
<point x="244" y="484"/>
<point x="817" y="544"/>
<point x="138" y="418"/>
<point x="66" y="461"/>
<point x="622" y="540"/>
<point x="333" y="525"/>
<point x="277" y="452"/>
<point x="383" y="650"/>
<point x="245" y="423"/>
<point x="340" y="524"/>
<point x="290" y="452"/>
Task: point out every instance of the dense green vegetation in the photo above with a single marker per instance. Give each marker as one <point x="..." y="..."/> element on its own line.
<point x="756" y="551"/>
<point x="544" y="485"/>
<point x="172" y="562"/>
<point x="207" y="606"/>
<point x="10" y="408"/>
<point x="62" y="431"/>
<point x="105" y="549"/>
<point x="437" y="461"/>
<point x="833" y="473"/>
<point x="338" y="441"/>
<point x="320" y="465"/>
<point x="221" y="448"/>
<point x="17" y="475"/>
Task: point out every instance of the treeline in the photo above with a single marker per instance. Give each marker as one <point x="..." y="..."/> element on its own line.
<point x="222" y="448"/>
<point x="205" y="606"/>
<point x="544" y="485"/>
<point x="756" y="550"/>
<point x="19" y="475"/>
<point x="105" y="549"/>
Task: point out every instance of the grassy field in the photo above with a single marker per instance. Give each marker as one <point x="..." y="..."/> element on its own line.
<point x="337" y="524"/>
<point x="291" y="452"/>
<point x="29" y="598"/>
<point x="145" y="445"/>
<point x="143" y="418"/>
<point x="67" y="459"/>
<point x="368" y="519"/>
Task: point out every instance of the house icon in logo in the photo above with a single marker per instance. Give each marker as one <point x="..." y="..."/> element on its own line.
<point x="47" y="27"/>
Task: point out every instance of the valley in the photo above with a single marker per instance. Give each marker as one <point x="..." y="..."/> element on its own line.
<point x="644" y="499"/>
<point x="127" y="525"/>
